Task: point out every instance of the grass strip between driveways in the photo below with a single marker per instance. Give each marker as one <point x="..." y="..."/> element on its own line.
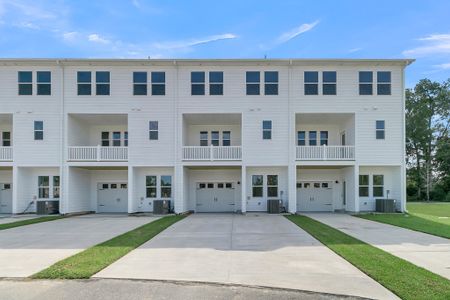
<point x="29" y="222"/>
<point x="92" y="260"/>
<point x="403" y="278"/>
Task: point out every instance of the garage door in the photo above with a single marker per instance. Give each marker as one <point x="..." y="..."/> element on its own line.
<point x="112" y="198"/>
<point x="315" y="196"/>
<point x="215" y="197"/>
<point x="5" y="198"/>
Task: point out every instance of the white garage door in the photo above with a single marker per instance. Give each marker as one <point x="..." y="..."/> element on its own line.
<point x="112" y="198"/>
<point x="5" y="198"/>
<point x="215" y="197"/>
<point x="315" y="196"/>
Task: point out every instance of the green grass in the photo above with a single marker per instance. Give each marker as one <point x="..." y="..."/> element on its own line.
<point x="403" y="278"/>
<point x="92" y="260"/>
<point x="29" y="222"/>
<point x="424" y="217"/>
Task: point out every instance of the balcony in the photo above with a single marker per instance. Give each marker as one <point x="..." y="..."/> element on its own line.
<point x="6" y="153"/>
<point x="212" y="153"/>
<point x="97" y="153"/>
<point x="325" y="152"/>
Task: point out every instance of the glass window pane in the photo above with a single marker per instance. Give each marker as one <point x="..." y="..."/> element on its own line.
<point x="384" y="76"/>
<point x="139" y="77"/>
<point x="252" y="77"/>
<point x="267" y="124"/>
<point x="380" y="134"/>
<point x="38" y="135"/>
<point x="102" y="89"/>
<point x="271" y="89"/>
<point x="84" y="76"/>
<point x="252" y="89"/>
<point x="267" y="135"/>
<point x="311" y="89"/>
<point x="257" y="179"/>
<point x="84" y="89"/>
<point x="329" y="76"/>
<point x="158" y="89"/>
<point x="25" y="76"/>
<point x="197" y="77"/>
<point x="311" y="76"/>
<point x="158" y="77"/>
<point x="383" y="89"/>
<point x="380" y="124"/>
<point x="216" y="77"/>
<point x="38" y="125"/>
<point x="105" y="135"/>
<point x="44" y="89"/>
<point x="366" y="76"/>
<point x="166" y="180"/>
<point x="363" y="179"/>
<point x="151" y="192"/>
<point x="153" y="125"/>
<point x="150" y="180"/>
<point x="197" y="89"/>
<point x="6" y="135"/>
<point x="363" y="191"/>
<point x="272" y="191"/>
<point x="270" y="76"/>
<point x="272" y="179"/>
<point x="226" y="135"/>
<point x="25" y="89"/>
<point x="44" y="77"/>
<point x="216" y="89"/>
<point x="55" y="181"/>
<point x="116" y="135"/>
<point x="378" y="179"/>
<point x="140" y="89"/>
<point x="257" y="191"/>
<point x="153" y="135"/>
<point x="378" y="191"/>
<point x="166" y="192"/>
<point x="102" y="77"/>
<point x="214" y="135"/>
<point x="329" y="89"/>
<point x="365" y="89"/>
<point x="43" y="181"/>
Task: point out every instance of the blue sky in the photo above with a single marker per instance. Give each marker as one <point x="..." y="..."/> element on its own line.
<point x="231" y="29"/>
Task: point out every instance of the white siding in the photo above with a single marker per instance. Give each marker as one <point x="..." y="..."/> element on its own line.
<point x="79" y="198"/>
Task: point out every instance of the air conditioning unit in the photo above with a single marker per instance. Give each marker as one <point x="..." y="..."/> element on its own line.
<point x="385" y="205"/>
<point x="274" y="206"/>
<point x="47" y="207"/>
<point x="161" y="207"/>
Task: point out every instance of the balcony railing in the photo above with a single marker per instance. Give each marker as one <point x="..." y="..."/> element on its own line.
<point x="212" y="153"/>
<point x="6" y="153"/>
<point x="97" y="153"/>
<point x="325" y="152"/>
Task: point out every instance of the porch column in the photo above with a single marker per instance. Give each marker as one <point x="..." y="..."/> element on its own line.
<point x="356" y="185"/>
<point x="179" y="199"/>
<point x="15" y="190"/>
<point x="131" y="194"/>
<point x="64" y="193"/>
<point x="244" y="189"/>
<point x="292" y="188"/>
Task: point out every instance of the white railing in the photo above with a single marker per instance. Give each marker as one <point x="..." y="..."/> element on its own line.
<point x="212" y="153"/>
<point x="97" y="153"/>
<point x="6" y="153"/>
<point x="325" y="152"/>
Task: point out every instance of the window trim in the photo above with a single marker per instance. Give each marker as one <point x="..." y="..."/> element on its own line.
<point x="261" y="186"/>
<point x="329" y="83"/>
<point x="147" y="187"/>
<point x="154" y="131"/>
<point x="267" y="130"/>
<point x="299" y="139"/>
<point x="216" y="83"/>
<point x="155" y="84"/>
<point x="365" y="83"/>
<point x="228" y="139"/>
<point x="377" y="185"/>
<point x="203" y="139"/>
<point x="215" y="140"/>
<point x="365" y="186"/>
<point x="101" y="83"/>
<point x="114" y="139"/>
<point x="380" y="130"/>
<point x="199" y="83"/>
<point x="7" y="140"/>
<point x="165" y="186"/>
<point x="141" y="84"/>
<point x="384" y="83"/>
<point x="252" y="83"/>
<point x="84" y="83"/>
<point x="268" y="83"/>
<point x="310" y="83"/>
<point x="272" y="186"/>
<point x="310" y="139"/>
<point x="323" y="141"/>
<point x="38" y="84"/>
<point x="38" y="130"/>
<point x="24" y="83"/>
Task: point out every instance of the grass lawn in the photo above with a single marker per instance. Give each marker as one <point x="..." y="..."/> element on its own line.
<point x="432" y="218"/>
<point x="403" y="278"/>
<point x="94" y="259"/>
<point x="29" y="221"/>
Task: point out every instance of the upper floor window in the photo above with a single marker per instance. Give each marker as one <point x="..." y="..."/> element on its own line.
<point x="6" y="139"/>
<point x="311" y="82"/>
<point x="105" y="139"/>
<point x="301" y="138"/>
<point x="329" y="82"/>
<point x="102" y="83"/>
<point x="253" y="82"/>
<point x="226" y="138"/>
<point x="383" y="83"/>
<point x="84" y="83"/>
<point x="125" y="138"/>
<point x="271" y="83"/>
<point x="44" y="82"/>
<point x="153" y="130"/>
<point x="158" y="83"/>
<point x="197" y="83"/>
<point x="323" y="138"/>
<point x="216" y="83"/>
<point x="116" y="138"/>
<point x="25" y="83"/>
<point x="380" y="129"/>
<point x="215" y="140"/>
<point x="203" y="138"/>
<point x="38" y="130"/>
<point x="267" y="130"/>
<point x="139" y="83"/>
<point x="313" y="138"/>
<point x="365" y="82"/>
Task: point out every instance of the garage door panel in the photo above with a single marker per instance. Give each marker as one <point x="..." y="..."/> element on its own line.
<point x="215" y="197"/>
<point x="5" y="198"/>
<point x="112" y="198"/>
<point x="314" y="196"/>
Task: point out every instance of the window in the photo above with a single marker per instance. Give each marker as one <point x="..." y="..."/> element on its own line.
<point x="153" y="130"/>
<point x="253" y="79"/>
<point x="38" y="130"/>
<point x="324" y="185"/>
<point x="323" y="138"/>
<point x="6" y="139"/>
<point x="270" y="83"/>
<point x="272" y="185"/>
<point x="301" y="138"/>
<point x="102" y="80"/>
<point x="150" y="185"/>
<point x="313" y="138"/>
<point x="226" y="138"/>
<point x="166" y="186"/>
<point x="216" y="83"/>
<point x="257" y="185"/>
<point x="197" y="83"/>
<point x="84" y="81"/>
<point x="383" y="83"/>
<point x="215" y="138"/>
<point x="25" y="83"/>
<point x="139" y="83"/>
<point x="380" y="129"/>
<point x="105" y="139"/>
<point x="378" y="182"/>
<point x="329" y="83"/>
<point x="56" y="184"/>
<point x="114" y="186"/>
<point x="158" y="83"/>
<point x="365" y="83"/>
<point x="364" y="185"/>
<point x="44" y="187"/>
<point x="44" y="83"/>
<point x="116" y="138"/>
<point x="203" y="138"/>
<point x="311" y="83"/>
<point x="267" y="130"/>
<point x="125" y="138"/>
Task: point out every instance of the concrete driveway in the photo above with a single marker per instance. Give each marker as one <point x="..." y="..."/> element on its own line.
<point x="424" y="250"/>
<point x="256" y="249"/>
<point x="6" y="218"/>
<point x="29" y="249"/>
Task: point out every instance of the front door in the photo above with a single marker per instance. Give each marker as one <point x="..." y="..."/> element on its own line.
<point x="215" y="197"/>
<point x="5" y="198"/>
<point x="314" y="196"/>
<point x="112" y="198"/>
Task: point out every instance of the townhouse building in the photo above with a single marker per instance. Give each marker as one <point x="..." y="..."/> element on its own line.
<point x="113" y="135"/>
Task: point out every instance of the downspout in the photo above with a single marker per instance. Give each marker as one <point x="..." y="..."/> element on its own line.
<point x="403" y="166"/>
<point x="63" y="186"/>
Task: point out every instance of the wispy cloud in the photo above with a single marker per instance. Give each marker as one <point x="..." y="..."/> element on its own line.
<point x="96" y="38"/>
<point x="136" y="3"/>
<point x="445" y="66"/>
<point x="354" y="50"/>
<point x="293" y="33"/>
<point x="70" y="36"/>
<point x="194" y="42"/>
<point x="433" y="44"/>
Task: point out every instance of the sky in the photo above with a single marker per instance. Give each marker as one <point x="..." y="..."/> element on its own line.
<point x="232" y="29"/>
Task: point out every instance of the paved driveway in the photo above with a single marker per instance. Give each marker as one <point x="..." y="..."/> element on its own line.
<point x="6" y="218"/>
<point x="424" y="250"/>
<point x="28" y="249"/>
<point x="262" y="250"/>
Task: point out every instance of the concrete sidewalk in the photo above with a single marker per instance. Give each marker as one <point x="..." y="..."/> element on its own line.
<point x="424" y="250"/>
<point x="29" y="249"/>
<point x="255" y="249"/>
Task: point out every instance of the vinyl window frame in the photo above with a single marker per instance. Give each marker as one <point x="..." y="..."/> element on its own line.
<point x="82" y="83"/>
<point x="384" y="87"/>
<point x="272" y="186"/>
<point x="138" y="83"/>
<point x="271" y="83"/>
<point x="153" y="130"/>
<point x="363" y="83"/>
<point x="24" y="87"/>
<point x="301" y="141"/>
<point x="311" y="83"/>
<point x="43" y="187"/>
<point x="326" y="83"/>
<point x="164" y="187"/>
<point x="99" y="84"/>
<point x="38" y="130"/>
<point x="198" y="87"/>
<point x="267" y="129"/>
<point x="380" y="129"/>
<point x="6" y="139"/>
<point x="150" y="188"/>
<point x="363" y="186"/>
<point x="376" y="186"/>
<point x="249" y="84"/>
<point x="215" y="83"/>
<point x="257" y="186"/>
<point x="42" y="84"/>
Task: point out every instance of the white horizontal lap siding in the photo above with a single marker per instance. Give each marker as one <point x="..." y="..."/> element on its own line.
<point x="193" y="134"/>
<point x="79" y="190"/>
<point x="334" y="131"/>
